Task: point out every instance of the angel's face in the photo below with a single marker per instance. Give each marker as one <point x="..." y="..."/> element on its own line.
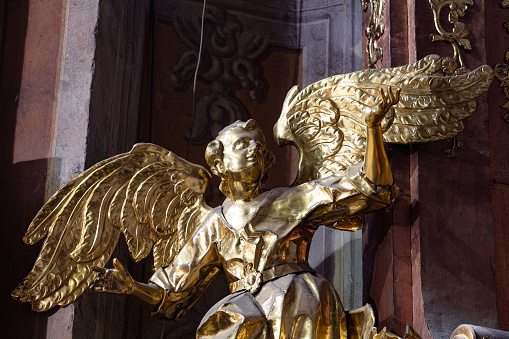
<point x="244" y="154"/>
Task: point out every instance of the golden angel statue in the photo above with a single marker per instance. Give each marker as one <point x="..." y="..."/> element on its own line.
<point x="260" y="239"/>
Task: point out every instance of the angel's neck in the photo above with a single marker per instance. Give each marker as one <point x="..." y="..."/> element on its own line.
<point x="241" y="191"/>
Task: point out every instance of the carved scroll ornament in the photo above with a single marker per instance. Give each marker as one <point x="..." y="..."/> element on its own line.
<point x="228" y="59"/>
<point x="458" y="36"/>
<point x="375" y="30"/>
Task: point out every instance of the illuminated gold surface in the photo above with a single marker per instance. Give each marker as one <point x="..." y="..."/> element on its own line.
<point x="260" y="238"/>
<point x="463" y="332"/>
<point x="325" y="121"/>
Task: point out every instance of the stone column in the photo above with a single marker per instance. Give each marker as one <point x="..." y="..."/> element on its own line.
<point x="56" y="56"/>
<point x="52" y="112"/>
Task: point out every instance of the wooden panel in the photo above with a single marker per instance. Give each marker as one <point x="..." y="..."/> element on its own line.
<point x="499" y="157"/>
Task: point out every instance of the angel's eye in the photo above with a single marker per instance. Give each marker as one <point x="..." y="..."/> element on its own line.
<point x="241" y="144"/>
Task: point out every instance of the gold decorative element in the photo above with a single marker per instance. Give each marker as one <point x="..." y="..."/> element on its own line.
<point x="455" y="144"/>
<point x="261" y="239"/>
<point x="361" y="325"/>
<point x="375" y="30"/>
<point x="464" y="332"/>
<point x="502" y="70"/>
<point x="458" y="36"/>
<point x="449" y="67"/>
<point x="410" y="333"/>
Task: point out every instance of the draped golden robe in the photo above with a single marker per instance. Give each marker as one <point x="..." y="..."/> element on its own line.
<point x="275" y="294"/>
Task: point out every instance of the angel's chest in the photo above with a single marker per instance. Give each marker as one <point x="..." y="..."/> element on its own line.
<point x="237" y="216"/>
<point x="247" y="240"/>
<point x="242" y="241"/>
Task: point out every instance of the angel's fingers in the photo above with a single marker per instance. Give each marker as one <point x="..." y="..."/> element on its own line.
<point x="118" y="265"/>
<point x="398" y="92"/>
<point x="391" y="96"/>
<point x="382" y="95"/>
<point x="98" y="269"/>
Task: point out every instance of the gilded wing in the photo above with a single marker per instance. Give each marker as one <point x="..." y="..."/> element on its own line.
<point x="152" y="196"/>
<point x="326" y="123"/>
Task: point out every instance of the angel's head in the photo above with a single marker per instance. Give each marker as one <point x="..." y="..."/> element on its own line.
<point x="239" y="154"/>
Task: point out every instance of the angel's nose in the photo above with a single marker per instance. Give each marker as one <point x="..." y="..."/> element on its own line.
<point x="253" y="145"/>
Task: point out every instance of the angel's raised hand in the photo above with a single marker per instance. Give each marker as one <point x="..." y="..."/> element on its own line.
<point x="116" y="280"/>
<point x="387" y="100"/>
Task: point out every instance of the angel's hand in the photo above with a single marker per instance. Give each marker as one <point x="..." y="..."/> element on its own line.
<point x="387" y="100"/>
<point x="116" y="280"/>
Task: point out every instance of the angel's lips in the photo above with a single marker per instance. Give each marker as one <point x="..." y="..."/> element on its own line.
<point x="255" y="156"/>
<point x="252" y="157"/>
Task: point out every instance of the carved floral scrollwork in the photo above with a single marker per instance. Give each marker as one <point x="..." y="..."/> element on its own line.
<point x="375" y="30"/>
<point x="502" y="70"/>
<point x="502" y="74"/>
<point x="458" y="36"/>
<point x="450" y="67"/>
<point x="228" y="60"/>
<point x="456" y="144"/>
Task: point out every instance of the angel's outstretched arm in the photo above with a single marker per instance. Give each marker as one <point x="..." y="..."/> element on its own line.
<point x="191" y="271"/>
<point x="119" y="281"/>
<point x="376" y="164"/>
<point x="174" y="288"/>
<point x="366" y="187"/>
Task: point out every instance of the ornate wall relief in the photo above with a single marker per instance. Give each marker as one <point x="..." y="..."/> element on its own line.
<point x="228" y="59"/>
<point x="502" y="70"/>
<point x="375" y="30"/>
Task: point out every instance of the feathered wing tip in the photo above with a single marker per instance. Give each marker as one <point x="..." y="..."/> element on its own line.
<point x="149" y="194"/>
<point x="325" y="121"/>
<point x="43" y="220"/>
<point x="438" y="113"/>
<point x="66" y="218"/>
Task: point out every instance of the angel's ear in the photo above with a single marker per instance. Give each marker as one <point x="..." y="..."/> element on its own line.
<point x="218" y="167"/>
<point x="214" y="157"/>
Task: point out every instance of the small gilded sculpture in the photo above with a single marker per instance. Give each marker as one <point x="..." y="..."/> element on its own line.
<point x="260" y="238"/>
